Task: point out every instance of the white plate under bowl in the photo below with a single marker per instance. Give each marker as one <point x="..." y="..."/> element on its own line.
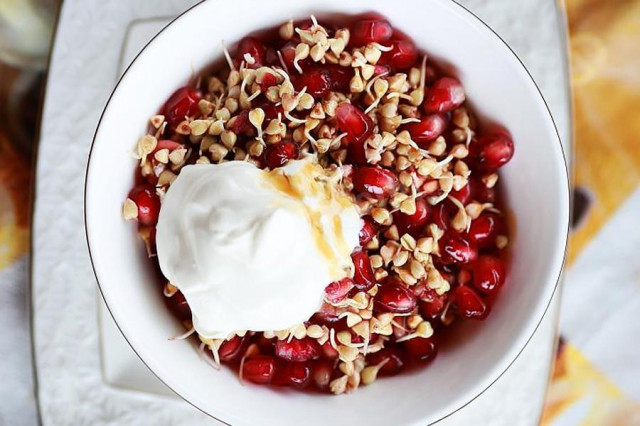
<point x="535" y="183"/>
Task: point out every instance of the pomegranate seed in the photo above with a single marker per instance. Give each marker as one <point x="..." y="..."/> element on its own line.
<point x="488" y="274"/>
<point x="259" y="369"/>
<point x="253" y="47"/>
<point x="485" y="228"/>
<point x="266" y="346"/>
<point x="381" y="69"/>
<point x="356" y="153"/>
<point x="480" y="192"/>
<point x="421" y="349"/>
<point x="359" y="339"/>
<point x="316" y="80"/>
<point x="457" y="249"/>
<point x="328" y="315"/>
<point x="430" y="75"/>
<point x="322" y="371"/>
<point x="470" y="304"/>
<point x="363" y="277"/>
<point x="240" y="123"/>
<point x="432" y="304"/>
<point x="178" y="306"/>
<point x="151" y="179"/>
<point x="419" y="288"/>
<point x="279" y="154"/>
<point x="340" y="77"/>
<point x="443" y="213"/>
<point x="294" y="374"/>
<point x="463" y="195"/>
<point x="148" y="203"/>
<point x="395" y="297"/>
<point x="271" y="111"/>
<point x="445" y="95"/>
<point x="430" y="186"/>
<point x="232" y="350"/>
<point x="448" y="273"/>
<point x="268" y="80"/>
<point x="412" y="224"/>
<point x="368" y="231"/>
<point x="288" y="52"/>
<point x="182" y="103"/>
<point x="373" y="337"/>
<point x="328" y="351"/>
<point x="395" y="360"/>
<point x="370" y="31"/>
<point x="403" y="55"/>
<point x="464" y="277"/>
<point x="374" y="181"/>
<point x="167" y="144"/>
<point x="354" y="122"/>
<point x="427" y="130"/>
<point x="358" y="127"/>
<point x="494" y="151"/>
<point x="297" y="349"/>
<point x="271" y="58"/>
<point x="338" y="290"/>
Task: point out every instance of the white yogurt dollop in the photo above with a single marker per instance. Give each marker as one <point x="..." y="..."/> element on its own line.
<point x="251" y="249"/>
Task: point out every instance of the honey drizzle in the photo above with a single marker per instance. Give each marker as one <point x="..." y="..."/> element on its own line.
<point x="303" y="183"/>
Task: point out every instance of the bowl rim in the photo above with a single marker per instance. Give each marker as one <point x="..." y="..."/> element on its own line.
<point x="464" y="10"/>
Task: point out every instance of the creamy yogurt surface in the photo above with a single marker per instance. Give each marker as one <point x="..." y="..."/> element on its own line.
<point x="252" y="249"/>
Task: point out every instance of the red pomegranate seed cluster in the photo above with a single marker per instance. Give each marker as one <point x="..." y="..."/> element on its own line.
<point x="369" y="105"/>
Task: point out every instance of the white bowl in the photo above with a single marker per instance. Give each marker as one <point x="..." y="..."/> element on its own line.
<point x="535" y="182"/>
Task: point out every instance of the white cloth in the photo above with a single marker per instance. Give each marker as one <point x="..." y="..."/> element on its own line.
<point x="84" y="65"/>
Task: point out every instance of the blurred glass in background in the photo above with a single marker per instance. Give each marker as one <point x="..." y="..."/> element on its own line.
<point x="25" y="36"/>
<point x="25" y="32"/>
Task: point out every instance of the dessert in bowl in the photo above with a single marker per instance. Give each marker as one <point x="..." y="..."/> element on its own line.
<point x="386" y="137"/>
<point x="353" y="188"/>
